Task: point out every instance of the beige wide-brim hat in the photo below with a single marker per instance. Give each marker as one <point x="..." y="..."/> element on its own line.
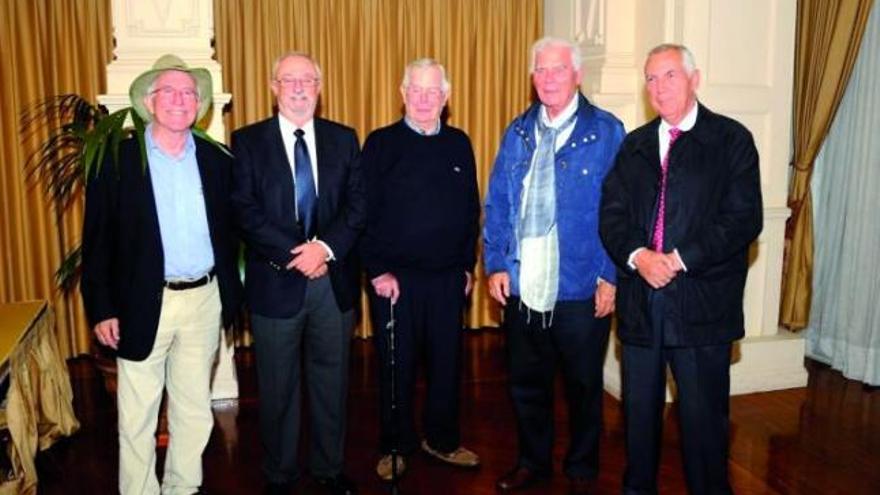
<point x="141" y="85"/>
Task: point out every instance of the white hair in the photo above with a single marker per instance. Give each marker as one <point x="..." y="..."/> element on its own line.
<point x="291" y="54"/>
<point x="552" y="41"/>
<point x="424" y="63"/>
<point x="687" y="58"/>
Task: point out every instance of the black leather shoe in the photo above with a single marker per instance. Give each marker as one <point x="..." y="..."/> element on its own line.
<point x="337" y="485"/>
<point x="519" y="478"/>
<point x="579" y="486"/>
<point x="276" y="489"/>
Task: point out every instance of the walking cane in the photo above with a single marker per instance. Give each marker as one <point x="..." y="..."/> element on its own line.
<point x="393" y="366"/>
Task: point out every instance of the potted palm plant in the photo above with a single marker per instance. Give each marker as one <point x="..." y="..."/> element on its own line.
<point x="79" y="134"/>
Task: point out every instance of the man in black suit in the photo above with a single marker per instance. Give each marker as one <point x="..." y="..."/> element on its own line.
<point x="679" y="210"/>
<point x="159" y="275"/>
<point x="300" y="206"/>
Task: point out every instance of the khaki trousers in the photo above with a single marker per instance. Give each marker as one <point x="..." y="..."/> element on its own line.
<point x="180" y="362"/>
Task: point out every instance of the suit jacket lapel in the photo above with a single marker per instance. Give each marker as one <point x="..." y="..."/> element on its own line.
<point x="151" y="216"/>
<point x="275" y="157"/>
<point x="321" y="143"/>
<point x="275" y="150"/>
<point x="649" y="146"/>
<point x="203" y="160"/>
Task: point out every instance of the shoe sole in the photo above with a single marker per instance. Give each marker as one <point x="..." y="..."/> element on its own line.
<point x="439" y="456"/>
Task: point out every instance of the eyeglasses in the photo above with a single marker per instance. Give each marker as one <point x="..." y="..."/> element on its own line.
<point x="168" y="93"/>
<point x="306" y="82"/>
<point x="417" y="91"/>
<point x="554" y="71"/>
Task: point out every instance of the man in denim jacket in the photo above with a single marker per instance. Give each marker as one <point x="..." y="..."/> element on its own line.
<point x="547" y="266"/>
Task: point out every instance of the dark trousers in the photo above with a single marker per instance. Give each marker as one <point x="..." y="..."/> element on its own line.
<point x="319" y="337"/>
<point x="577" y="341"/>
<point x="428" y="319"/>
<point x="702" y="378"/>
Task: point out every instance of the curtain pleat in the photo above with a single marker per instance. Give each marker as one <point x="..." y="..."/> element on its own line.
<point x="829" y="33"/>
<point x="48" y="47"/>
<point x="844" y="328"/>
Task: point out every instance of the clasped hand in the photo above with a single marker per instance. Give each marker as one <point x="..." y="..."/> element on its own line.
<point x="310" y="258"/>
<point x="658" y="269"/>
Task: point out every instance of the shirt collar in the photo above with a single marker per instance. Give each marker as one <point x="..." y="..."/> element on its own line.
<point x="288" y="127"/>
<point x="569" y="110"/>
<point x="412" y="125"/>
<point x="686" y="124"/>
<point x="153" y="146"/>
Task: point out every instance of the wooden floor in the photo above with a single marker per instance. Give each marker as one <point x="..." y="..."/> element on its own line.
<point x="822" y="439"/>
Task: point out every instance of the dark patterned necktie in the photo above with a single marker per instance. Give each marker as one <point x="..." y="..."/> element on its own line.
<point x="304" y="185"/>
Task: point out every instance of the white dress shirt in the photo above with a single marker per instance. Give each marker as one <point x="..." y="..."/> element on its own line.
<point x="287" y="135"/>
<point x="287" y="130"/>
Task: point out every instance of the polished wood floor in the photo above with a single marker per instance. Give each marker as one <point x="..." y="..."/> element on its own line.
<point x="822" y="439"/>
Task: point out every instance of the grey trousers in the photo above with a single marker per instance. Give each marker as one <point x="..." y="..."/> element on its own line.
<point x="316" y="343"/>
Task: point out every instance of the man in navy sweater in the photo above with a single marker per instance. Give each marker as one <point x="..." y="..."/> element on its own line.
<point x="419" y="253"/>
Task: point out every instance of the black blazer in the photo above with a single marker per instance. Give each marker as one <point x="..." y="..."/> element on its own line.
<point x="713" y="212"/>
<point x="122" y="257"/>
<point x="264" y="200"/>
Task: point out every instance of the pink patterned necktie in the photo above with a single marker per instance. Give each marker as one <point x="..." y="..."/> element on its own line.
<point x="660" y="223"/>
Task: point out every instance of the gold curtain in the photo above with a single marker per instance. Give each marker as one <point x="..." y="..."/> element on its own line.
<point x="829" y="34"/>
<point x="363" y="46"/>
<point x="48" y="47"/>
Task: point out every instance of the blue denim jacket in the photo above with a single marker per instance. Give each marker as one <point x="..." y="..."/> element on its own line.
<point x="581" y="165"/>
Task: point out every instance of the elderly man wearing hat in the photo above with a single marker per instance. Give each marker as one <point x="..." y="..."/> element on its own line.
<point x="159" y="276"/>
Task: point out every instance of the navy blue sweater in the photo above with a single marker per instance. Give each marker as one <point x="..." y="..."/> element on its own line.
<point x="423" y="205"/>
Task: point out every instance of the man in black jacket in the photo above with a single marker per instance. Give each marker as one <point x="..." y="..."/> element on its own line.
<point x="300" y="206"/>
<point x="679" y="210"/>
<point x="159" y="275"/>
<point x="419" y="254"/>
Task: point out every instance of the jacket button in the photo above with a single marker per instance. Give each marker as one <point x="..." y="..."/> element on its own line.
<point x="564" y="164"/>
<point x="584" y="172"/>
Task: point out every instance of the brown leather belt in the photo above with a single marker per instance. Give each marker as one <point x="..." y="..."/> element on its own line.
<point x="190" y="284"/>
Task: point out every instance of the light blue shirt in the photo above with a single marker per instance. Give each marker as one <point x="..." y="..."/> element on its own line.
<point x="180" y="205"/>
